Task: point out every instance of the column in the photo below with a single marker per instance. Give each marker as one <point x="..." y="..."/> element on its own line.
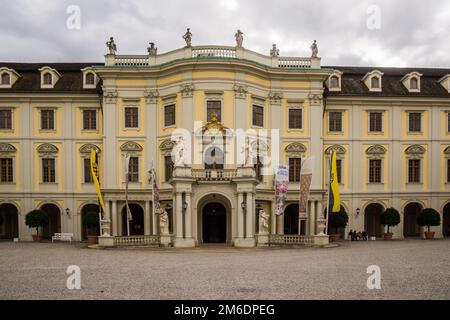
<point x="188" y="216"/>
<point x="312" y="218"/>
<point x="250" y="217"/>
<point x="109" y="154"/>
<point x="115" y="218"/>
<point x="319" y="214"/>
<point x="280" y="224"/>
<point x="179" y="215"/>
<point x="147" y="217"/>
<point x="240" y="216"/>
<point x="273" y="221"/>
<point x="155" y="220"/>
<point x="107" y="225"/>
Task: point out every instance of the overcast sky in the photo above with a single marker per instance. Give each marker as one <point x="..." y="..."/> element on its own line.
<point x="379" y="32"/>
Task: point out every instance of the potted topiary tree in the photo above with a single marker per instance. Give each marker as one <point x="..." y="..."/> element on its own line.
<point x="336" y="221"/>
<point x="91" y="221"/>
<point x="390" y="218"/>
<point x="429" y="218"/>
<point x="35" y="219"/>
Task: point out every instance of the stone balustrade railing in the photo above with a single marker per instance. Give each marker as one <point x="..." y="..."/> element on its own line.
<point x="136" y="240"/>
<point x="213" y="175"/>
<point x="290" y="239"/>
<point x="208" y="52"/>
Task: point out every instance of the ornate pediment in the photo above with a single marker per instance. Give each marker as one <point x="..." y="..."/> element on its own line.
<point x="260" y="145"/>
<point x="295" y="148"/>
<point x="7" y="148"/>
<point x="131" y="146"/>
<point x="86" y="148"/>
<point x="47" y="148"/>
<point x="214" y="124"/>
<point x="447" y="151"/>
<point x="415" y="149"/>
<point x="339" y="149"/>
<point x="376" y="150"/>
<point x="167" y="145"/>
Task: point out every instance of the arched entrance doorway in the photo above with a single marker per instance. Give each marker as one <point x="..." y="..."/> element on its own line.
<point x="446" y="220"/>
<point x="137" y="224"/>
<point x="54" y="220"/>
<point x="9" y="221"/>
<point x="214" y="223"/>
<point x="410" y="226"/>
<point x="88" y="210"/>
<point x="291" y="220"/>
<point x="372" y="223"/>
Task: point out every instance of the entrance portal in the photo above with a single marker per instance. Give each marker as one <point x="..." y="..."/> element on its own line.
<point x="446" y="221"/>
<point x="214" y="223"/>
<point x="137" y="222"/>
<point x="372" y="220"/>
<point x="410" y="226"/>
<point x="9" y="221"/>
<point x="54" y="220"/>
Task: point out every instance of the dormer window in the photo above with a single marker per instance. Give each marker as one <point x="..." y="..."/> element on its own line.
<point x="411" y="81"/>
<point x="445" y="82"/>
<point x="90" y="78"/>
<point x="47" y="79"/>
<point x="373" y="81"/>
<point x="334" y="81"/>
<point x="5" y="79"/>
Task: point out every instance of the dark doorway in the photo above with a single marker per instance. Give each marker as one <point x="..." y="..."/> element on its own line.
<point x="214" y="223"/>
<point x="89" y="209"/>
<point x="372" y="223"/>
<point x="137" y="224"/>
<point x="54" y="220"/>
<point x="291" y="220"/>
<point x="446" y="221"/>
<point x="9" y="221"/>
<point x="410" y="226"/>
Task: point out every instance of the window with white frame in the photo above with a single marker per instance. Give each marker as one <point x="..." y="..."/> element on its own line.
<point x="131" y="115"/>
<point x="375" y="121"/>
<point x="414" y="156"/>
<point x="375" y="155"/>
<point x="6" y="119"/>
<point x="6" y="78"/>
<point x="7" y="156"/>
<point x="47" y="119"/>
<point x="134" y="151"/>
<point x="48" y="154"/>
<point x="295" y="118"/>
<point x="89" y="119"/>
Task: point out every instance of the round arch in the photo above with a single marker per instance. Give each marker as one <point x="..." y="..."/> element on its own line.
<point x="446" y="220"/>
<point x="410" y="212"/>
<point x="372" y="224"/>
<point x="291" y="220"/>
<point x="54" y="219"/>
<point x="84" y="210"/>
<point x="9" y="221"/>
<point x="214" y="218"/>
<point x="137" y="223"/>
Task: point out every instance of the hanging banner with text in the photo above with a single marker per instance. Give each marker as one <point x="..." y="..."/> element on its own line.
<point x="281" y="187"/>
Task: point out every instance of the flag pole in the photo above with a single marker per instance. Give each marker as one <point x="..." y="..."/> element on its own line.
<point x="329" y="189"/>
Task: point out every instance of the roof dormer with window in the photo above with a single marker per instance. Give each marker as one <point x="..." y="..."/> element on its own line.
<point x="411" y="81"/>
<point x="49" y="77"/>
<point x="90" y="78"/>
<point x="373" y="80"/>
<point x="334" y="81"/>
<point x="445" y="82"/>
<point x="8" y="77"/>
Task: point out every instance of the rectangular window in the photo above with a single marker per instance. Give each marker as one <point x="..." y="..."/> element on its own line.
<point x="335" y="121"/>
<point x="295" y="119"/>
<point x="448" y="170"/>
<point x="213" y="106"/>
<point x="339" y="170"/>
<point x="294" y="169"/>
<point x="133" y="169"/>
<point x="258" y="116"/>
<point x="48" y="119"/>
<point x="415" y="122"/>
<point x="131" y="117"/>
<point x="5" y="119"/>
<point x="168" y="166"/>
<point x="448" y="122"/>
<point x="87" y="171"/>
<point x="375" y="122"/>
<point x="6" y="170"/>
<point x="258" y="169"/>
<point x="414" y="170"/>
<point x="48" y="170"/>
<point x="375" y="171"/>
<point x="89" y="120"/>
<point x="169" y="115"/>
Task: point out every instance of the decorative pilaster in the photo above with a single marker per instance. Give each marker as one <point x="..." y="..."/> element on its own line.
<point x="147" y="218"/>
<point x="115" y="218"/>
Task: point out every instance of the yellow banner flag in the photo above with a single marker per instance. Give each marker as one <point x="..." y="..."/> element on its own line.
<point x="94" y="173"/>
<point x="335" y="200"/>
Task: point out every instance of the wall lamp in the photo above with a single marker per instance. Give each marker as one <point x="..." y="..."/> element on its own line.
<point x="67" y="211"/>
<point x="243" y="205"/>
<point x="358" y="210"/>
<point x="185" y="205"/>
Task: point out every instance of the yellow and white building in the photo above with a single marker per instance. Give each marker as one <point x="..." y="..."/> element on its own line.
<point x="390" y="128"/>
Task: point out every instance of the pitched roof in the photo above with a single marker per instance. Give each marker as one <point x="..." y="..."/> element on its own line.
<point x="30" y="81"/>
<point x="352" y="84"/>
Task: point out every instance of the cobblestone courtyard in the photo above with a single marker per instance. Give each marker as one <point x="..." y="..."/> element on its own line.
<point x="412" y="269"/>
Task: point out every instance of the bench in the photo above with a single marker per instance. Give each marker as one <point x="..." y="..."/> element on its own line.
<point x="62" y="237"/>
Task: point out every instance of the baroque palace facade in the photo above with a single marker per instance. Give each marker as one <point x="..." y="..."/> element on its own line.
<point x="389" y="126"/>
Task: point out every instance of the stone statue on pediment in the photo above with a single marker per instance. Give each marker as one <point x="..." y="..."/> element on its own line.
<point x="239" y="36"/>
<point x="111" y="45"/>
<point x="164" y="223"/>
<point x="274" y="52"/>
<point x="152" y="50"/>
<point x="188" y="38"/>
<point x="314" y="49"/>
<point x="263" y="222"/>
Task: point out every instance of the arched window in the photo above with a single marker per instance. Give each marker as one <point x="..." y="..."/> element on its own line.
<point x="334" y="82"/>
<point x="90" y="78"/>
<point x="414" y="84"/>
<point x="375" y="83"/>
<point x="6" y="78"/>
<point x="47" y="78"/>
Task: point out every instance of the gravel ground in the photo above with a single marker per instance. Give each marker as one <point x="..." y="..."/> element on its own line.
<point x="412" y="269"/>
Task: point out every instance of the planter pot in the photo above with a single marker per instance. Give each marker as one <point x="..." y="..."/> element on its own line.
<point x="92" y="239"/>
<point x="388" y="236"/>
<point x="335" y="237"/>
<point x="429" y="235"/>
<point x="37" y="238"/>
